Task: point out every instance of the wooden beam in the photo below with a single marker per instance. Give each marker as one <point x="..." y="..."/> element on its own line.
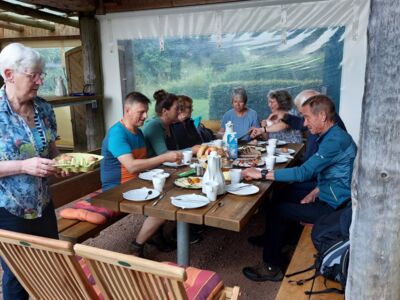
<point x="10" y="26"/>
<point x="38" y="38"/>
<point x="127" y="5"/>
<point x="28" y="22"/>
<point x="374" y="268"/>
<point x="66" y="6"/>
<point x="21" y="10"/>
<point x="93" y="78"/>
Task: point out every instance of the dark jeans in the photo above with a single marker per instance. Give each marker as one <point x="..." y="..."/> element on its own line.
<point x="283" y="214"/>
<point x="44" y="226"/>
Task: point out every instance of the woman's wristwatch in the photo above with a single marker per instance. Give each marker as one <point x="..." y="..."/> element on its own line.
<point x="264" y="173"/>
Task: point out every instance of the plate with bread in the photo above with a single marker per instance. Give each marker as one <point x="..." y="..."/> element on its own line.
<point x="189" y="182"/>
<point x="284" y="151"/>
<point x="247" y="162"/>
<point x="251" y="151"/>
<point x="205" y="150"/>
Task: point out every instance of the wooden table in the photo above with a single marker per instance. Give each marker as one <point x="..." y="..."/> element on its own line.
<point x="234" y="214"/>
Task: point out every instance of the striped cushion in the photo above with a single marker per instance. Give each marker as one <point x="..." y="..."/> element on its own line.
<point x="89" y="276"/>
<point x="201" y="284"/>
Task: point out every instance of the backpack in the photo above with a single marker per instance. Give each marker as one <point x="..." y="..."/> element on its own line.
<point x="206" y="134"/>
<point x="330" y="236"/>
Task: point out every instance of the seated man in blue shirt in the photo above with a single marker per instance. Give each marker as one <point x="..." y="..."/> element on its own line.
<point x="332" y="164"/>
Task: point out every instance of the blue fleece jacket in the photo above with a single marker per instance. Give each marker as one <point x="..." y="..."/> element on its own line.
<point x="332" y="164"/>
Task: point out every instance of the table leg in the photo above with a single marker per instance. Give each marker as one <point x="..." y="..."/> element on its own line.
<point x="183" y="243"/>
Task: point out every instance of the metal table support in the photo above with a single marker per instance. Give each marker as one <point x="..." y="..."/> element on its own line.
<point x="183" y="243"/>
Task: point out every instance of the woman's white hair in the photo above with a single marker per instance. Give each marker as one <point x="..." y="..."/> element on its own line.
<point x="17" y="57"/>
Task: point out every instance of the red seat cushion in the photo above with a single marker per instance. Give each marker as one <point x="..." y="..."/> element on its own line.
<point x="201" y="284"/>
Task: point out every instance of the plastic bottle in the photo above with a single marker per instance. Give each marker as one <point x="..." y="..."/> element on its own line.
<point x="232" y="145"/>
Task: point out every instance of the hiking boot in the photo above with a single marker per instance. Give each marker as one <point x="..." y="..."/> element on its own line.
<point x="194" y="236"/>
<point x="263" y="272"/>
<point x="136" y="249"/>
<point x="161" y="244"/>
<point x="256" y="240"/>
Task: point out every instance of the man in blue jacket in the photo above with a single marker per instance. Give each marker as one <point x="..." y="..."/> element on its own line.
<point x="333" y="166"/>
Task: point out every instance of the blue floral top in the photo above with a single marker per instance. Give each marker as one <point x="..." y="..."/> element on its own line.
<point x="24" y="195"/>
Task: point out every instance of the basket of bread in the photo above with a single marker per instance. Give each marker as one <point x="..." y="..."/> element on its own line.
<point x="77" y="162"/>
<point x="205" y="150"/>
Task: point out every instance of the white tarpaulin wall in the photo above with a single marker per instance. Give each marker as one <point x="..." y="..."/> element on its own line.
<point x="242" y="17"/>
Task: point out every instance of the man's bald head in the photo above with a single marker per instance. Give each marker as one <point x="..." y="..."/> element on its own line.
<point x="303" y="96"/>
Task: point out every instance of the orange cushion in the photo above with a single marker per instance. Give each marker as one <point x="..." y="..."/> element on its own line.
<point x="201" y="284"/>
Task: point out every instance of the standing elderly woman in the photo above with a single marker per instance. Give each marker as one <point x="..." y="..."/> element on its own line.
<point x="242" y="117"/>
<point x="27" y="146"/>
<point x="279" y="101"/>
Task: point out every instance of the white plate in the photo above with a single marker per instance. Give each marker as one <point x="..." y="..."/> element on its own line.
<point x="281" y="159"/>
<point x="185" y="182"/>
<point x="174" y="164"/>
<point x="149" y="174"/>
<point x="246" y="162"/>
<point x="279" y="151"/>
<point x="141" y="194"/>
<point x="189" y="201"/>
<point x="242" y="189"/>
<point x="280" y="143"/>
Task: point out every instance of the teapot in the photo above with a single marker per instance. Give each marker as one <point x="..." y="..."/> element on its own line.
<point x="60" y="89"/>
<point x="214" y="173"/>
<point x="228" y="130"/>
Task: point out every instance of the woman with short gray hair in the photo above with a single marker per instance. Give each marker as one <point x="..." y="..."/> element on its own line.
<point x="242" y="117"/>
<point x="27" y="143"/>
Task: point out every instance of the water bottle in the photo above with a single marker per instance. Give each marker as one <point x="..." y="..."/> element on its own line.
<point x="232" y="144"/>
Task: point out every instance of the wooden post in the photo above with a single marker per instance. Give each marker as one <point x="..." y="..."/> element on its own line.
<point x="93" y="79"/>
<point x="374" y="271"/>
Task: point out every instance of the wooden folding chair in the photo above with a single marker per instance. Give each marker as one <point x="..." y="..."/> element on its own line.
<point x="121" y="276"/>
<point x="46" y="268"/>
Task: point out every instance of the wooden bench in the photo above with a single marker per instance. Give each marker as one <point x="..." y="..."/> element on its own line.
<point x="303" y="257"/>
<point x="73" y="188"/>
<point x="214" y="125"/>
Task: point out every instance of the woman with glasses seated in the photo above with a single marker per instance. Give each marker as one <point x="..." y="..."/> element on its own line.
<point x="184" y="131"/>
<point x="27" y="146"/>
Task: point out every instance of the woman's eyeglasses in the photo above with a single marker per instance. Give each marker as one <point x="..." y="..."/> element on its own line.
<point x="34" y="76"/>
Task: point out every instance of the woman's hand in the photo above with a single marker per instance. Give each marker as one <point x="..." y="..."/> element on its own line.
<point x="255" y="132"/>
<point x="311" y="196"/>
<point x="37" y="166"/>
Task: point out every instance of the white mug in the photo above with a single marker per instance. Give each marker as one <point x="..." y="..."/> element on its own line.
<point x="211" y="189"/>
<point x="271" y="150"/>
<point x="272" y="142"/>
<point x="187" y="156"/>
<point x="269" y="162"/>
<point x="159" y="181"/>
<point x="236" y="175"/>
<point x="218" y="143"/>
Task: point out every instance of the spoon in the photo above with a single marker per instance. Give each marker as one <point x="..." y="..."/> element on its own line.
<point x="149" y="192"/>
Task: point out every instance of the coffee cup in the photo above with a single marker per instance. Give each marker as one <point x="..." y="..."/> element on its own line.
<point x="269" y="162"/>
<point x="218" y="143"/>
<point x="271" y="150"/>
<point x="236" y="175"/>
<point x="159" y="181"/>
<point x="187" y="156"/>
<point x="211" y="189"/>
<point x="272" y="142"/>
